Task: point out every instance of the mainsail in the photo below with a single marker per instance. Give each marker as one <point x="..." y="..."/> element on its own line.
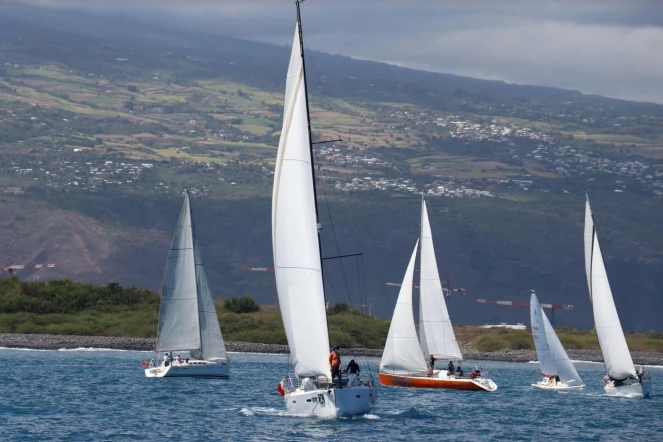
<point x="618" y="362"/>
<point x="436" y="333"/>
<point x="552" y="356"/>
<point x="402" y="354"/>
<point x="187" y="318"/>
<point x="294" y="232"/>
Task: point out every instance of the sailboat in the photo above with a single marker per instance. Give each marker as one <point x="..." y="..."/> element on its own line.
<point x="621" y="378"/>
<point x="556" y="368"/>
<point x="298" y="264"/>
<point x="404" y="358"/>
<point x="188" y="322"/>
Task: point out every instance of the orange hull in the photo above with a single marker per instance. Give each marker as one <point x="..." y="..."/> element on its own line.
<point x="426" y="382"/>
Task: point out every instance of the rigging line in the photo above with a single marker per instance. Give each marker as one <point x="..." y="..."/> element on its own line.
<point x="320" y="84"/>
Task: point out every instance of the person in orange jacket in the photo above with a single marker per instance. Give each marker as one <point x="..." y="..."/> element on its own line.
<point x="335" y="364"/>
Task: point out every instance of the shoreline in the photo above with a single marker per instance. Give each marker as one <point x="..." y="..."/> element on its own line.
<point x="56" y="342"/>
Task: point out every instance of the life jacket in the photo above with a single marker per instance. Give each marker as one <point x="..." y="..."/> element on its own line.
<point x="334" y="358"/>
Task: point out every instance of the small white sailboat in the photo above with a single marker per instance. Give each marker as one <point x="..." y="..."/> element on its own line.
<point x="298" y="264"/>
<point x="404" y="358"/>
<point x="621" y="379"/>
<point x="556" y="368"/>
<point x="188" y="322"/>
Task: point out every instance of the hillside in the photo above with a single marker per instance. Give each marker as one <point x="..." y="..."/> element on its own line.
<point x="99" y="135"/>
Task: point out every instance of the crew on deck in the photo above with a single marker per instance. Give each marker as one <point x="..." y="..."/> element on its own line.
<point x="335" y="364"/>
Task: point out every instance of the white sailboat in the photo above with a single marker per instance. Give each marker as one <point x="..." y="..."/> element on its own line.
<point x="298" y="265"/>
<point x="622" y="378"/>
<point x="188" y="322"/>
<point x="404" y="358"/>
<point x="556" y="368"/>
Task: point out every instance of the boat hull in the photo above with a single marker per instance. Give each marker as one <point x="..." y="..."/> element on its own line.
<point x="479" y="384"/>
<point x="202" y="369"/>
<point x="332" y="402"/>
<point x="558" y="387"/>
<point x="629" y="390"/>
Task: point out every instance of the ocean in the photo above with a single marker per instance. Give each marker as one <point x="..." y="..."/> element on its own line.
<point x="103" y="395"/>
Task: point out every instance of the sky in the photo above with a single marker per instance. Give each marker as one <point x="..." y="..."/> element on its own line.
<point x="607" y="47"/>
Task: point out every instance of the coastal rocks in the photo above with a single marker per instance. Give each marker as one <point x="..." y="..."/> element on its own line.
<point x="55" y="342"/>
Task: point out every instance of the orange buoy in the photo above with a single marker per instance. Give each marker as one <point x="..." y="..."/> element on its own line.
<point x="144" y="364"/>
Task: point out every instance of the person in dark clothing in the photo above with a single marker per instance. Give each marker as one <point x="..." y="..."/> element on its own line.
<point x="459" y="371"/>
<point x="353" y="367"/>
<point x="431" y="365"/>
<point x="451" y="367"/>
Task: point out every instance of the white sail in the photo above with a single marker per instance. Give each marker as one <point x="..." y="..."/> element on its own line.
<point x="402" y="354"/>
<point x="436" y="333"/>
<point x="211" y="339"/>
<point x="618" y="362"/>
<point x="295" y="235"/>
<point x="552" y="356"/>
<point x="179" y="328"/>
<point x="589" y="240"/>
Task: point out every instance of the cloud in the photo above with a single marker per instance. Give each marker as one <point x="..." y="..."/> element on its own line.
<point x="610" y="47"/>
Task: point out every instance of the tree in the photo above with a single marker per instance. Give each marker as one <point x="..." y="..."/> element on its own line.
<point x="242" y="305"/>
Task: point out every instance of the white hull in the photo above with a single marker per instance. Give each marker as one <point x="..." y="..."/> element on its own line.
<point x="560" y="386"/>
<point x="332" y="402"/>
<point x="203" y="369"/>
<point x="632" y="389"/>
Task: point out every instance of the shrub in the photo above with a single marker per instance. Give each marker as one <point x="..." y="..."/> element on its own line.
<point x="339" y="307"/>
<point x="242" y="305"/>
<point x="488" y="343"/>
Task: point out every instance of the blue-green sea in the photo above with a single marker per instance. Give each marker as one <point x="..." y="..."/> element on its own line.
<point x="97" y="395"/>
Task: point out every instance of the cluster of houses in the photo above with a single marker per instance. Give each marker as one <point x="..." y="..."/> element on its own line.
<point x="448" y="189"/>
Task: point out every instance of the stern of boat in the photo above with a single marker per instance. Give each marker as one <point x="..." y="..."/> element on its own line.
<point x="629" y="389"/>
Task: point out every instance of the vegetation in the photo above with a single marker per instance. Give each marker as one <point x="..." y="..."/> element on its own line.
<point x="242" y="305"/>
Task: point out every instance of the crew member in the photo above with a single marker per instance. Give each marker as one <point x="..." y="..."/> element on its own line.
<point x="335" y="364"/>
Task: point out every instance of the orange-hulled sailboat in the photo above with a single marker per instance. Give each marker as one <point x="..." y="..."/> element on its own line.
<point x="404" y="358"/>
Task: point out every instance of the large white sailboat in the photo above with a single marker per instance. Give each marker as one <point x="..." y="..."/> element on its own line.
<point x="556" y="368"/>
<point x="188" y="323"/>
<point x="622" y="379"/>
<point x="298" y="264"/>
<point x="404" y="358"/>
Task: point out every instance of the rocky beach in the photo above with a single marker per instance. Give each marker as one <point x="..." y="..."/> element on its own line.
<point x="56" y="342"/>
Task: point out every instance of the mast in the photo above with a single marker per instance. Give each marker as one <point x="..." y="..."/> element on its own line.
<point x="310" y="139"/>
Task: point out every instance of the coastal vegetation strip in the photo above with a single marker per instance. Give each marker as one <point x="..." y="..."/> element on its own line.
<point x="64" y="307"/>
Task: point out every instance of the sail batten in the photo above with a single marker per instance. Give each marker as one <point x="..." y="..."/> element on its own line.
<point x="295" y="243"/>
<point x="436" y="333"/>
<point x="187" y="317"/>
<point x="617" y="357"/>
<point x="402" y="354"/>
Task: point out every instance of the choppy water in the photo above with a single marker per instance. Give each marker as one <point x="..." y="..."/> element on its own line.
<point x="104" y="395"/>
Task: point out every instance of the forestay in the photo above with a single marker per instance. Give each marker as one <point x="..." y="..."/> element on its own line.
<point x="402" y="354"/>
<point x="553" y="357"/>
<point x="179" y="328"/>
<point x="436" y="333"/>
<point x="294" y="233"/>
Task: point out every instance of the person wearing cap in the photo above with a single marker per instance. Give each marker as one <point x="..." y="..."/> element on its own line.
<point x="335" y="364"/>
